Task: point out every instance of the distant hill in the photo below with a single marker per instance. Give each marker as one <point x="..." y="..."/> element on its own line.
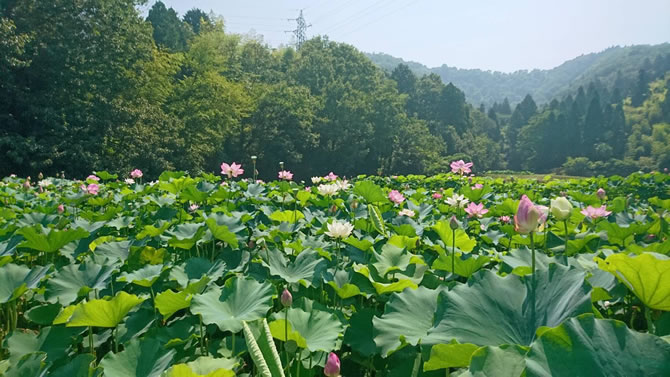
<point x="614" y="66"/>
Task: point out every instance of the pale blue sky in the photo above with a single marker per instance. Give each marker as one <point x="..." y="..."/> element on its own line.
<point x="487" y="34"/>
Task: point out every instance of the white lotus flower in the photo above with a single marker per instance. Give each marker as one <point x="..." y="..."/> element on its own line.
<point x="316" y="180"/>
<point x="328" y="190"/>
<point x="457" y="201"/>
<point x="407" y="212"/>
<point x="561" y="208"/>
<point x="339" y="229"/>
<point x="343" y="185"/>
<point x="129" y="181"/>
<point x="44" y="183"/>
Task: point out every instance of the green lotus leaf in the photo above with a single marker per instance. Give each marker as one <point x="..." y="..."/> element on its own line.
<point x="391" y="258"/>
<point x="204" y="366"/>
<point x="586" y="346"/>
<point x="349" y="284"/>
<point x="77" y="280"/>
<point x="287" y="216"/>
<point x="466" y="264"/>
<point x="221" y="232"/>
<point x="360" y="333"/>
<point x="519" y="261"/>
<point x="463" y="241"/>
<point x="114" y="250"/>
<point x="185" y="236"/>
<point x="493" y="310"/>
<point x="30" y="365"/>
<point x="195" y="269"/>
<point x="410" y="243"/>
<point x="49" y="240"/>
<point x="305" y="269"/>
<point x="369" y="191"/>
<point x="16" y="279"/>
<point x="80" y="366"/>
<point x="169" y="302"/>
<point x="8" y="247"/>
<point x="384" y="287"/>
<point x="145" y="276"/>
<point x="238" y="300"/>
<point x="315" y="330"/>
<point x="140" y="358"/>
<point x="363" y="245"/>
<point x="452" y="355"/>
<point x="647" y="276"/>
<point x="622" y="235"/>
<point x="407" y="318"/>
<point x="54" y="341"/>
<point x="43" y="314"/>
<point x="103" y="313"/>
<point x="153" y="231"/>
<point x="504" y="361"/>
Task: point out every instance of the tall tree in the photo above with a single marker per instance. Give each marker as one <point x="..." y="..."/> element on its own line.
<point x="195" y="17"/>
<point x="169" y="31"/>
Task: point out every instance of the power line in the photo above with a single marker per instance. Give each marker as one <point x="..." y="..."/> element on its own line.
<point x="370" y="9"/>
<point x="411" y="2"/>
<point x="333" y="11"/>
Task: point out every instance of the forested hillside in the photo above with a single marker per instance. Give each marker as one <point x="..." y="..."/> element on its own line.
<point x="616" y="67"/>
<point x="97" y="85"/>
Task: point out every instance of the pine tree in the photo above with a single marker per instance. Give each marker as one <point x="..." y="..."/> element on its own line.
<point x="505" y="108"/>
<point x="641" y="89"/>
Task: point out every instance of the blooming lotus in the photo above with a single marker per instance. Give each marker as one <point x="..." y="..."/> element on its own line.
<point x="328" y="190"/>
<point x="339" y="229"/>
<point x="137" y="173"/>
<point x="595" y="213"/>
<point x="93" y="178"/>
<point x="528" y="216"/>
<point x="232" y="170"/>
<point x="396" y="197"/>
<point x="92" y="189"/>
<point x="342" y="185"/>
<point x="331" y="176"/>
<point x="316" y="180"/>
<point x="477" y="186"/>
<point x="193" y="207"/>
<point x="457" y="201"/>
<point x="504" y="219"/>
<point x="332" y="368"/>
<point x="476" y="210"/>
<point x="437" y="195"/>
<point x="129" y="181"/>
<point x="286" y="175"/>
<point x="407" y="212"/>
<point x="461" y="167"/>
<point x="561" y="208"/>
<point x="44" y="183"/>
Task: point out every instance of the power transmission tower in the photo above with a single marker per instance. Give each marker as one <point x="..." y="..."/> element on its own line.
<point x="300" y="31"/>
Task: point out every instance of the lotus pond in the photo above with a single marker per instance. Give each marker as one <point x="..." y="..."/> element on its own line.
<point x="379" y="276"/>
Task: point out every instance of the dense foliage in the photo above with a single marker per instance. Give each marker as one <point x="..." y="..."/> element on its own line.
<point x="197" y="277"/>
<point x="615" y="66"/>
<point x="92" y="85"/>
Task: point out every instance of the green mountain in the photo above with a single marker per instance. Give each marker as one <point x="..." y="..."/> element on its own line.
<point x="613" y="67"/>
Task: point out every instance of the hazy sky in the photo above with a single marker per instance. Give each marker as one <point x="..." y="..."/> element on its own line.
<point x="488" y="34"/>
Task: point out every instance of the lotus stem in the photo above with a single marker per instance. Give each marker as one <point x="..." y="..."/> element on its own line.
<point x="453" y="251"/>
<point x="565" y="224"/>
<point x="651" y="328"/>
<point x="90" y="340"/>
<point x="286" y="335"/>
<point x="233" y="345"/>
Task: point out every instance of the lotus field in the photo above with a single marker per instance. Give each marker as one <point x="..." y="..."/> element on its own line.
<point x="221" y="275"/>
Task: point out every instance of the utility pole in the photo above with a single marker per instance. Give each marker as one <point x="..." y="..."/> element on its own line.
<point x="300" y="31"/>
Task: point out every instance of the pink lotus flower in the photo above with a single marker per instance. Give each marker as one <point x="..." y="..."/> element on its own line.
<point x="528" y="216"/>
<point x="286" y="175"/>
<point x="601" y="193"/>
<point x="331" y="176"/>
<point x="232" y="170"/>
<point x="437" y="195"/>
<point x="92" y="189"/>
<point x="477" y="186"/>
<point x="332" y="368"/>
<point x="93" y="178"/>
<point x="595" y="213"/>
<point x="461" y="167"/>
<point x="504" y="219"/>
<point x="137" y="173"/>
<point x="396" y="197"/>
<point x="477" y="210"/>
<point x="193" y="207"/>
<point x="61" y="209"/>
<point x="286" y="298"/>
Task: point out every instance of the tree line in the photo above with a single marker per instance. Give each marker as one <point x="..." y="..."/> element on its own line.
<point x="94" y="85"/>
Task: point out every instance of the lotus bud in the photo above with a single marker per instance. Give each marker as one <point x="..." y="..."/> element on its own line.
<point x="453" y="223"/>
<point x="528" y="216"/>
<point x="61" y="209"/>
<point x="354" y="204"/>
<point x="286" y="298"/>
<point x="26" y="183"/>
<point x="601" y="193"/>
<point x="40" y="176"/>
<point x="561" y="208"/>
<point x="332" y="368"/>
